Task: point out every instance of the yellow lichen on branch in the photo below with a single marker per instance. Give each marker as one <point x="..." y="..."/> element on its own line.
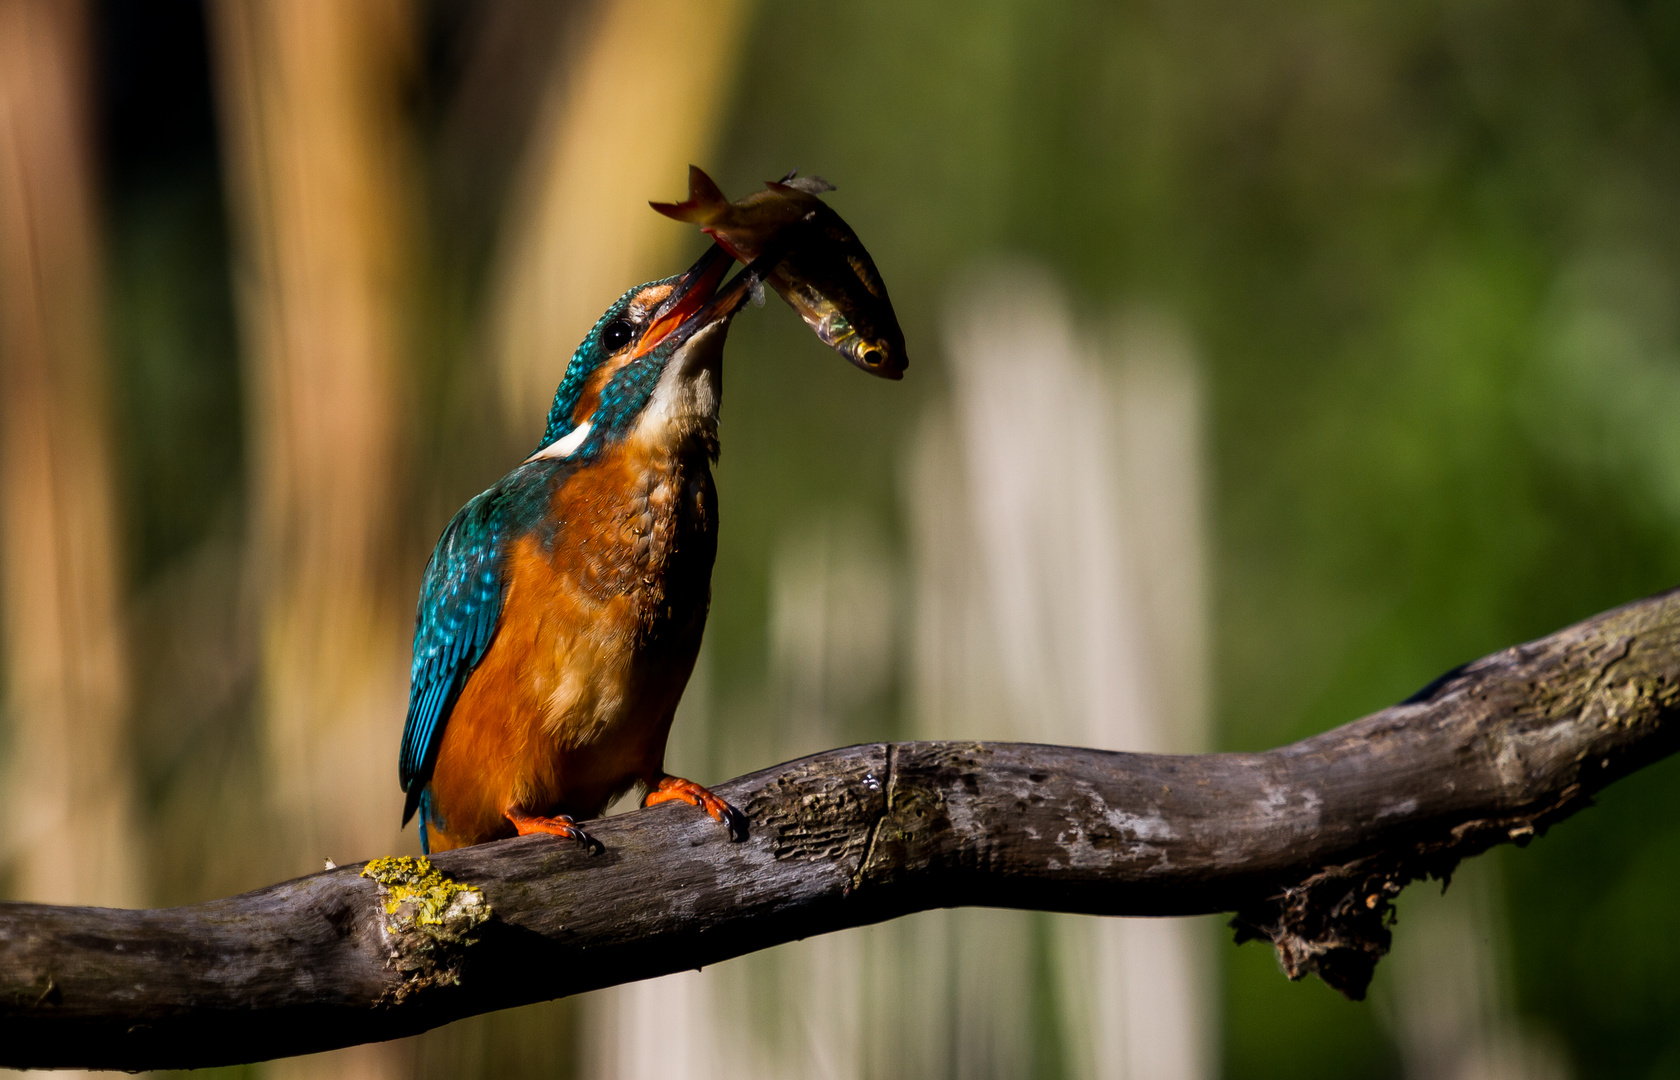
<point x="429" y="921"/>
<point x="436" y="898"/>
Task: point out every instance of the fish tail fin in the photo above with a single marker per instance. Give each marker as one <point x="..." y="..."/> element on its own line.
<point x="704" y="203"/>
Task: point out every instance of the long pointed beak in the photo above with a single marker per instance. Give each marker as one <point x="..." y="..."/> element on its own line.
<point x="722" y="303"/>
<point x="693" y="289"/>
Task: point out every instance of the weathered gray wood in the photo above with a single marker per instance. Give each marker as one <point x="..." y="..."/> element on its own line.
<point x="1307" y="844"/>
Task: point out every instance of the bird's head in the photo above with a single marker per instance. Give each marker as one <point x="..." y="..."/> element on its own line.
<point x="652" y="363"/>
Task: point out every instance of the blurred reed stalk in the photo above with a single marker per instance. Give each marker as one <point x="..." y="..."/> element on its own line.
<point x="638" y="99"/>
<point x="317" y="161"/>
<point x="316" y="157"/>
<point x="1448" y="988"/>
<point x="71" y="799"/>
<point x="1058" y="547"/>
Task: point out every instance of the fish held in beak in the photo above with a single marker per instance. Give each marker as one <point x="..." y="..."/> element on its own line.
<point x="826" y="276"/>
<point x="698" y="301"/>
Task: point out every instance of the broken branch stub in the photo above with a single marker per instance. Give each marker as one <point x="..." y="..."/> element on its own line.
<point x="1307" y="844"/>
<point x="429" y="923"/>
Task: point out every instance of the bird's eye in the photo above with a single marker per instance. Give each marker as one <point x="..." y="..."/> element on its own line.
<point x="617" y="335"/>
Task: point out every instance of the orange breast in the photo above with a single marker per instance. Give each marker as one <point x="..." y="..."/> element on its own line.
<point x="572" y="702"/>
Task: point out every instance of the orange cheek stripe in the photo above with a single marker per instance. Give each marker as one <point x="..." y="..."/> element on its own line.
<point x="590" y="396"/>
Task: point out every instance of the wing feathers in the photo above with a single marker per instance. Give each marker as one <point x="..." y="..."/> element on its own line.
<point x="460" y="604"/>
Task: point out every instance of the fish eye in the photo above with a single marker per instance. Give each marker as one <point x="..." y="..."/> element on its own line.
<point x="872" y="357"/>
<point x="617" y="335"/>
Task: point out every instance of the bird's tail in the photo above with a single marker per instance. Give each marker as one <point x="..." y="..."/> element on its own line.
<point x="425" y="803"/>
<point x="704" y="204"/>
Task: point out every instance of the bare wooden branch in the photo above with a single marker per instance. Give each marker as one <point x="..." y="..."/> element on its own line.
<point x="1308" y="844"/>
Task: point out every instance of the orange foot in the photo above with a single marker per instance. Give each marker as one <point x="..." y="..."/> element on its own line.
<point x="675" y="788"/>
<point x="559" y="825"/>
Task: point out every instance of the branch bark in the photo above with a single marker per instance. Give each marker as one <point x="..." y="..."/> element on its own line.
<point x="1307" y="844"/>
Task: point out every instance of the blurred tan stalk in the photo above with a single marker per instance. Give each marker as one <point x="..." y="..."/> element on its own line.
<point x="640" y="98"/>
<point x="315" y="143"/>
<point x="310" y="103"/>
<point x="72" y="792"/>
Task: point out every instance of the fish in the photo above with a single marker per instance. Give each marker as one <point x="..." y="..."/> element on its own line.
<point x="826" y="276"/>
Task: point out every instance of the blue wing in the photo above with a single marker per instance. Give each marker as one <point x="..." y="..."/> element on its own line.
<point x="460" y="605"/>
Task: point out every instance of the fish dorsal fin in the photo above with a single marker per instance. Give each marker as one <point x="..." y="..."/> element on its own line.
<point x="810" y="185"/>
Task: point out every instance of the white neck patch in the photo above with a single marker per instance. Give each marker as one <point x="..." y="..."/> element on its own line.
<point x="565" y="446"/>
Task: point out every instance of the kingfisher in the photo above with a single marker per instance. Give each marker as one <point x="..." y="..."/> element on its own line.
<point x="562" y="609"/>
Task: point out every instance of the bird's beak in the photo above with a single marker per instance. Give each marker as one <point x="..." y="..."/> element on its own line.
<point x="696" y="302"/>
<point x="691" y="292"/>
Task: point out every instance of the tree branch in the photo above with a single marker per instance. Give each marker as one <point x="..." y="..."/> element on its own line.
<point x="1308" y="844"/>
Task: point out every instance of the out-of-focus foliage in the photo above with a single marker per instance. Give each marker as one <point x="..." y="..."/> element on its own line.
<point x="1428" y="255"/>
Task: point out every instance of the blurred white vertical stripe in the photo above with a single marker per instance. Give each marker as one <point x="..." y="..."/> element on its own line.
<point x="654" y="1030"/>
<point x="1449" y="981"/>
<point x="959" y="991"/>
<point x="1036" y="424"/>
<point x="660" y="1029"/>
<point x="1080" y="466"/>
<point x="1155" y="980"/>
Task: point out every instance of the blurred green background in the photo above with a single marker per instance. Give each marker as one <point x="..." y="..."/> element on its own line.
<point x="1426" y="258"/>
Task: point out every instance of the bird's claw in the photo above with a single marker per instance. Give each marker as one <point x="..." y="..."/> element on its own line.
<point x="676" y="789"/>
<point x="560" y="825"/>
<point x="735" y="822"/>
